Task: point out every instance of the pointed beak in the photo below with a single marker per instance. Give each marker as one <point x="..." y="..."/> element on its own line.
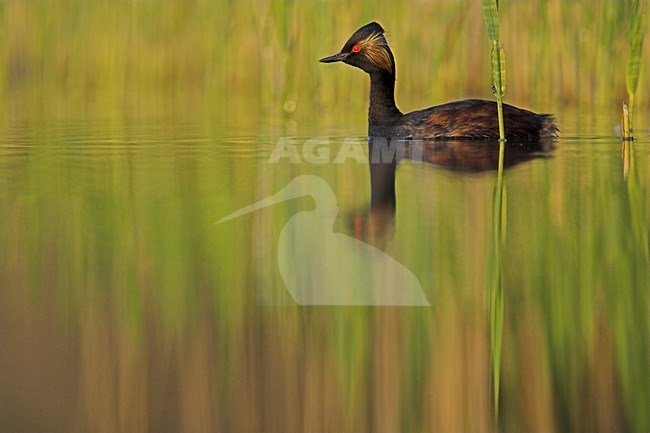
<point x="335" y="58"/>
<point x="294" y="189"/>
<point x="269" y="201"/>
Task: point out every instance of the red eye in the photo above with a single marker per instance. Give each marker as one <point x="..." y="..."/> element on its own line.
<point x="356" y="49"/>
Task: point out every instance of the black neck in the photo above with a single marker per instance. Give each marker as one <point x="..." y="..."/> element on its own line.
<point x="382" y="110"/>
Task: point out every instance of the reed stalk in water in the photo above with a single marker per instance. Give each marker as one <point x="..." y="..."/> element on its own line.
<point x="494" y="272"/>
<point x="494" y="285"/>
<point x="626" y="123"/>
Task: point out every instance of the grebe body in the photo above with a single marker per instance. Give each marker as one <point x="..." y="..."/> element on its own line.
<point x="368" y="50"/>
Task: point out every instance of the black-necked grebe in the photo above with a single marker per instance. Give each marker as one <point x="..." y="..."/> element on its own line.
<point x="368" y="50"/>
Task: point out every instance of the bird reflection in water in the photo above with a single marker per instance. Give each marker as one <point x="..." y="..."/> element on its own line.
<point x="376" y="224"/>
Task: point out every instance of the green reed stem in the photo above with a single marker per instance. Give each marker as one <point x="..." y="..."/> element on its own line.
<point x="495" y="283"/>
<point x="494" y="272"/>
<point x="634" y="355"/>
<point x="499" y="82"/>
<point x="498" y="61"/>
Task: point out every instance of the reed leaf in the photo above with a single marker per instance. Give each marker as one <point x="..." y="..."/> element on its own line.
<point x="491" y="15"/>
<point x="502" y="69"/>
<point x="498" y="70"/>
<point x="637" y="30"/>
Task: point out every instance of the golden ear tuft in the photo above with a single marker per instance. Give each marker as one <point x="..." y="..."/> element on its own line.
<point x="376" y="50"/>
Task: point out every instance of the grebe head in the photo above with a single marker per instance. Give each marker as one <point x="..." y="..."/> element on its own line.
<point x="366" y="49"/>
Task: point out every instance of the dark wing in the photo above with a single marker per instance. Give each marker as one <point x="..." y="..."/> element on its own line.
<point x="476" y="118"/>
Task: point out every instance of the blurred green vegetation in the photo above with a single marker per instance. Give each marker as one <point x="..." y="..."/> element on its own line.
<point x="129" y="128"/>
<point x="230" y="60"/>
